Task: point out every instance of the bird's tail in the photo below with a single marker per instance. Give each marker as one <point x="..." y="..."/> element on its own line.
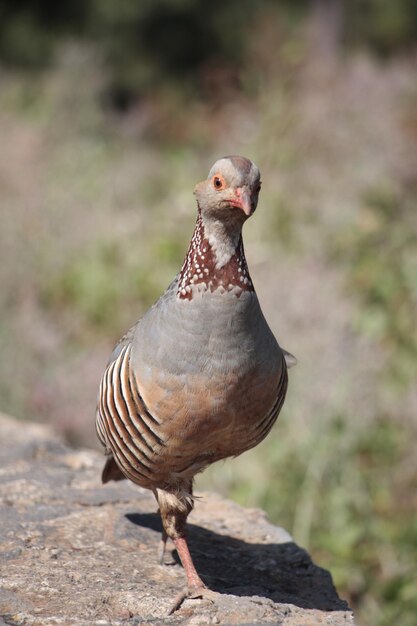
<point x="111" y="470"/>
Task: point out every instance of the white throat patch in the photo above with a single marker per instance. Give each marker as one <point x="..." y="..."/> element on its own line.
<point x="223" y="246"/>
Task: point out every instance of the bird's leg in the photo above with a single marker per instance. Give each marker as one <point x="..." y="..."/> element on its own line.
<point x="174" y="508"/>
<point x="196" y="588"/>
<point x="193" y="579"/>
<point x="162" y="546"/>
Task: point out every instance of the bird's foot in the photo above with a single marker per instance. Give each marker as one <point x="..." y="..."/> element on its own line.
<point x="192" y="593"/>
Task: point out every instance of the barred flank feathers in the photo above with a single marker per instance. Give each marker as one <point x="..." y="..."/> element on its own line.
<point x="124" y="424"/>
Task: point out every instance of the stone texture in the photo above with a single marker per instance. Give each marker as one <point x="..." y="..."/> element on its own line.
<point x="77" y="553"/>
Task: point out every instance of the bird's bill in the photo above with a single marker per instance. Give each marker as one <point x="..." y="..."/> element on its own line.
<point x="243" y="200"/>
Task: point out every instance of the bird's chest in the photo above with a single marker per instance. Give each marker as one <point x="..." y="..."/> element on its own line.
<point x="215" y="364"/>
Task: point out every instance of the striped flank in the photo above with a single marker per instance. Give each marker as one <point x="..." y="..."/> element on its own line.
<point x="123" y="423"/>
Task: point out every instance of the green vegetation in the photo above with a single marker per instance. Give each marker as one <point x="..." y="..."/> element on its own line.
<point x="91" y="284"/>
<point x="382" y="255"/>
<point x="104" y="133"/>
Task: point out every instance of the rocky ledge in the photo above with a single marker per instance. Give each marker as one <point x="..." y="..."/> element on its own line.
<point x="77" y="553"/>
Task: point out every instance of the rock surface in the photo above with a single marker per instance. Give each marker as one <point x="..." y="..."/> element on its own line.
<point x="77" y="553"/>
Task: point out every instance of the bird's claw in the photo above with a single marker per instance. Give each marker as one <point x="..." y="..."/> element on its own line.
<point x="192" y="593"/>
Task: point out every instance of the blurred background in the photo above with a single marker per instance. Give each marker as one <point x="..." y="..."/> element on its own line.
<point x="110" y="112"/>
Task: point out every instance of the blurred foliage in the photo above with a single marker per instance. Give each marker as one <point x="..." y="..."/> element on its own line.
<point x="29" y="29"/>
<point x="91" y="284"/>
<point x="198" y="45"/>
<point x="382" y="254"/>
<point x="143" y="43"/>
<point x="386" y="26"/>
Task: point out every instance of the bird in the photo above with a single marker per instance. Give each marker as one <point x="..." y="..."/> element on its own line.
<point x="200" y="377"/>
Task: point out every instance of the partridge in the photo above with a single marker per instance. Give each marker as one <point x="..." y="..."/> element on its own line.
<point x="200" y="377"/>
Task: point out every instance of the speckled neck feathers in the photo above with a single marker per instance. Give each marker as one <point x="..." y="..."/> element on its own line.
<point x="214" y="261"/>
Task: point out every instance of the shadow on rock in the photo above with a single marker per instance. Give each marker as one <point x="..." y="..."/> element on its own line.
<point x="282" y="572"/>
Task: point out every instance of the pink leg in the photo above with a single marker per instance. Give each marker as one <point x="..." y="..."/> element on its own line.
<point x="196" y="587"/>
<point x="193" y="579"/>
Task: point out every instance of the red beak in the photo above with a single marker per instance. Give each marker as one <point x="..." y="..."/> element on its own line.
<point x="242" y="200"/>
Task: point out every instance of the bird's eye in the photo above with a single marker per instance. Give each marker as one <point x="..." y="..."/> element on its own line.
<point x="258" y="188"/>
<point x="218" y="182"/>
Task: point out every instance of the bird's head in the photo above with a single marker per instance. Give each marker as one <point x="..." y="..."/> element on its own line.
<point x="230" y="192"/>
